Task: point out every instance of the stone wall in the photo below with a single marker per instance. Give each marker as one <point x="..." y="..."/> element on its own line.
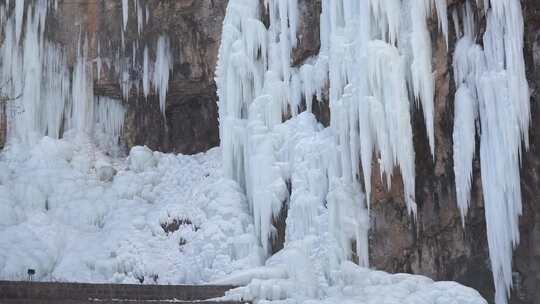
<point x="77" y="291"/>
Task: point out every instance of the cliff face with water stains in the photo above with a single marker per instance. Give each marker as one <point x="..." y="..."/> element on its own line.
<point x="436" y="244"/>
<point x="189" y="124"/>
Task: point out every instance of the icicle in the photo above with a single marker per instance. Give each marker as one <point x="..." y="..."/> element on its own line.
<point x="140" y="19"/>
<point x="386" y="16"/>
<point x="442" y="15"/>
<point x="497" y="76"/>
<point x="464" y="146"/>
<point x="19" y="14"/>
<point x="147" y="13"/>
<point x="109" y="116"/>
<point x="504" y="104"/>
<point x="134" y="54"/>
<point x="162" y="68"/>
<point x="146" y="73"/>
<point x="125" y="13"/>
<point x="125" y="82"/>
<point x="390" y="117"/>
<point x="307" y="74"/>
<point x="82" y="92"/>
<point x="98" y="61"/>
<point x="468" y="66"/>
<point x="455" y="20"/>
<point x="36" y="77"/>
<point x="421" y="70"/>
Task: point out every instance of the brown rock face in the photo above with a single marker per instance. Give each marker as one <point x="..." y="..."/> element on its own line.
<point x="308" y="32"/>
<point x="190" y="123"/>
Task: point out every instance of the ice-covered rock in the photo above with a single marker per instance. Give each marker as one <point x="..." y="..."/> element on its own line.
<point x="141" y="158"/>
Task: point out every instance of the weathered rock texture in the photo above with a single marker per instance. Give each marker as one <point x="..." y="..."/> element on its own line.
<point x="436" y="244"/>
<point x="194" y="28"/>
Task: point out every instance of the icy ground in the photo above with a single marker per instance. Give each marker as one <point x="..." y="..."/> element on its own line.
<point x="74" y="213"/>
<point x="63" y="213"/>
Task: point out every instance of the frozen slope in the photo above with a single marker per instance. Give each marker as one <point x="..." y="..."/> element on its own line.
<point x="75" y="214"/>
<point x="63" y="213"/>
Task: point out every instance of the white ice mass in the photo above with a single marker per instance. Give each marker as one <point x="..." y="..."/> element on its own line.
<point x="374" y="56"/>
<point x="76" y="209"/>
<point x="161" y="218"/>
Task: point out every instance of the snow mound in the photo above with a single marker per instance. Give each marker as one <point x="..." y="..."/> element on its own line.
<point x="353" y="284"/>
<point x="75" y="214"/>
<point x="141" y="158"/>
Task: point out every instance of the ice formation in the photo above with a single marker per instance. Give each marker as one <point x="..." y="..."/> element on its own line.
<point x="422" y="79"/>
<point x="125" y="13"/>
<point x="46" y="98"/>
<point x="34" y="76"/>
<point x="374" y="55"/>
<point x="146" y="72"/>
<point x="154" y="74"/>
<point x="492" y="82"/>
<point x="174" y="220"/>
<point x="257" y="86"/>
<point x="161" y="71"/>
<point x="109" y="123"/>
<point x="82" y="91"/>
<point x="464" y="146"/>
<point x="354" y="285"/>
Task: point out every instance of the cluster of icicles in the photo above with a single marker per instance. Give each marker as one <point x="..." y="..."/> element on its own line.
<point x="375" y="60"/>
<point x="156" y="75"/>
<point x="45" y="98"/>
